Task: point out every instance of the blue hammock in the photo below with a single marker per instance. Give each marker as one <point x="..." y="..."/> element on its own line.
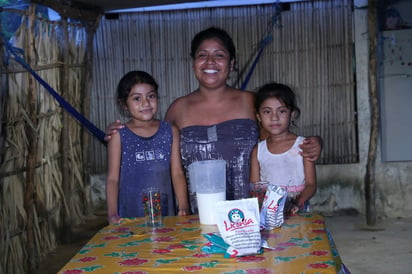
<point x="263" y="43"/>
<point x="63" y="103"/>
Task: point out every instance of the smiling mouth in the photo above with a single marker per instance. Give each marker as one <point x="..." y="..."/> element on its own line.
<point x="210" y="71"/>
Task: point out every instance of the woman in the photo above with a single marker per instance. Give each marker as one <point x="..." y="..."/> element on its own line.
<point x="217" y="121"/>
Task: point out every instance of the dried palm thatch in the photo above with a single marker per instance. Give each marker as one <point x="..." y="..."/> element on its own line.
<point x="42" y="186"/>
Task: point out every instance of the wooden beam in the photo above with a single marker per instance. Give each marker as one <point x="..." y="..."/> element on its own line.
<point x="72" y="9"/>
<point x="370" y="184"/>
<point x="32" y="147"/>
<point x="67" y="234"/>
<point x="87" y="80"/>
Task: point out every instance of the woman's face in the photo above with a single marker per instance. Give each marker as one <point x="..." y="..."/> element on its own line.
<point x="212" y="63"/>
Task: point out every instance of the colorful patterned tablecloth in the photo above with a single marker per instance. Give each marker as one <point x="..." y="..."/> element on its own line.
<point x="301" y="245"/>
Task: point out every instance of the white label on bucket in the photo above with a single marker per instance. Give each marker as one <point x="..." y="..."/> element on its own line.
<point x="212" y="134"/>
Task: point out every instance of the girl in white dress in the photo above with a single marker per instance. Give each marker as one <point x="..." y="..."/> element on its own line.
<point x="277" y="159"/>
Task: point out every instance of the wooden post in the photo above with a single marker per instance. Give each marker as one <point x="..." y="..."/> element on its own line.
<point x="32" y="146"/>
<point x="64" y="142"/>
<point x="370" y="183"/>
<point x="87" y="77"/>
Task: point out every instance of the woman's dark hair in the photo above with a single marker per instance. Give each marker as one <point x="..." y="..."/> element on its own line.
<point x="280" y="91"/>
<point x="211" y="33"/>
<point x="127" y="82"/>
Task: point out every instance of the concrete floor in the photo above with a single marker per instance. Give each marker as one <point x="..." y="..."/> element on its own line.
<point x="386" y="248"/>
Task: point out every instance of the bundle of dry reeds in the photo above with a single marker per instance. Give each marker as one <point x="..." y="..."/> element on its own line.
<point x="35" y="208"/>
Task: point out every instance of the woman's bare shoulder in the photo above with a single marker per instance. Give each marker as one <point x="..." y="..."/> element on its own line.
<point x="249" y="94"/>
<point x="245" y="94"/>
<point x="247" y="98"/>
<point x="176" y="108"/>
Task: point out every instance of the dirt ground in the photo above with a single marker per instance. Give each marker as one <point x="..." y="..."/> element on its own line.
<point x="81" y="235"/>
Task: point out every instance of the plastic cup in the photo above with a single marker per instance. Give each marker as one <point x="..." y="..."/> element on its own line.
<point x="152" y="206"/>
<point x="258" y="190"/>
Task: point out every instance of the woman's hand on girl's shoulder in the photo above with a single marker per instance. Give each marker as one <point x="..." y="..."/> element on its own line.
<point x="112" y="129"/>
<point x="311" y="148"/>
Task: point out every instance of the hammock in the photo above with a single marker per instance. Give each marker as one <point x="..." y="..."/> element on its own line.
<point x="63" y="103"/>
<point x="263" y="43"/>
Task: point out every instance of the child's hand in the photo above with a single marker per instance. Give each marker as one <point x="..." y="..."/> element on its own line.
<point x="294" y="210"/>
<point x="183" y="212"/>
<point x="114" y="219"/>
<point x="291" y="207"/>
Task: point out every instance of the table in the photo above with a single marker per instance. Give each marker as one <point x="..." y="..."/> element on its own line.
<point x="301" y="245"/>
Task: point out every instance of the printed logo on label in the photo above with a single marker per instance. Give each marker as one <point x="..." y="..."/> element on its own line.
<point x="273" y="206"/>
<point x="237" y="220"/>
<point x="236" y="215"/>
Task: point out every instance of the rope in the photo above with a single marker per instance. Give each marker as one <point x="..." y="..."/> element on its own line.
<point x="263" y="43"/>
<point x="63" y="103"/>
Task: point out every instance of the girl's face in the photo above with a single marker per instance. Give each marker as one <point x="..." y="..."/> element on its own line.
<point x="274" y="116"/>
<point x="212" y="64"/>
<point x="142" y="102"/>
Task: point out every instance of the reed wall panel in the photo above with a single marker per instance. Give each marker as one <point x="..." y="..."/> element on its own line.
<point x="33" y="218"/>
<point x="311" y="50"/>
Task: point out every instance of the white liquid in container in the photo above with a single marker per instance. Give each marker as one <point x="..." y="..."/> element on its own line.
<point x="206" y="203"/>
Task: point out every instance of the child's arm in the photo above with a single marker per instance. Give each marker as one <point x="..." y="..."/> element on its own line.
<point x="254" y="166"/>
<point x="310" y="183"/>
<point x="112" y="182"/>
<point x="178" y="176"/>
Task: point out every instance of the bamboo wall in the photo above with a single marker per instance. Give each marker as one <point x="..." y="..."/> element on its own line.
<point x="312" y="50"/>
<point x="42" y="191"/>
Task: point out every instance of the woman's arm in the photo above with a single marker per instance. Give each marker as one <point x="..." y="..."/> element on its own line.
<point x="178" y="176"/>
<point x="112" y="182"/>
<point x="254" y="166"/>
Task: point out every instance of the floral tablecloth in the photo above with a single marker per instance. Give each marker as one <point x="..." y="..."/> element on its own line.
<point x="301" y="245"/>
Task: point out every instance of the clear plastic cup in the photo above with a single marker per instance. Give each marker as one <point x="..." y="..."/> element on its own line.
<point x="258" y="190"/>
<point x="152" y="206"/>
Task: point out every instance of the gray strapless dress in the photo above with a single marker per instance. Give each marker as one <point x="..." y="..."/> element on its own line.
<point x="233" y="141"/>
